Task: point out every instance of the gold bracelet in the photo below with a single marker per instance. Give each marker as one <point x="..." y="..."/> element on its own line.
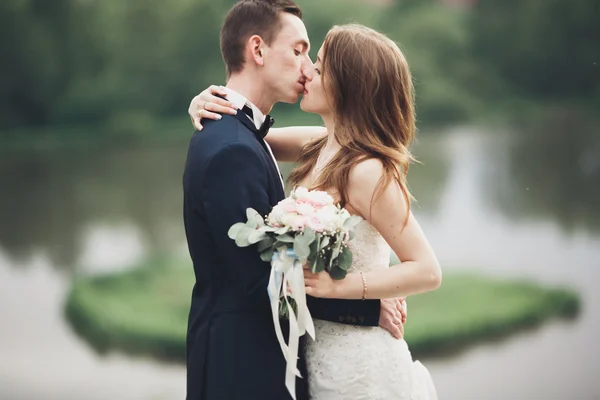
<point x="364" y="297"/>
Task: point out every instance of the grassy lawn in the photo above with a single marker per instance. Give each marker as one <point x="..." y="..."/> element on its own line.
<point x="144" y="311"/>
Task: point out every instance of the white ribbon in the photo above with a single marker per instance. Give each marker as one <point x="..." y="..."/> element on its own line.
<point x="286" y="271"/>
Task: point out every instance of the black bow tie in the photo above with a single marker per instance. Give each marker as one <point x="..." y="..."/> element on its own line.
<point x="266" y="125"/>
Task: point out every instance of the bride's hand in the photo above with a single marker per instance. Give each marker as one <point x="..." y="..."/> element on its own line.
<point x="319" y="285"/>
<point x="208" y="105"/>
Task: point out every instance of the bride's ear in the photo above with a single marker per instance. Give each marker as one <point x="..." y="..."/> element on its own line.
<point x="256" y="50"/>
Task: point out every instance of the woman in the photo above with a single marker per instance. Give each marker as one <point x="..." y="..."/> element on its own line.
<point x="362" y="88"/>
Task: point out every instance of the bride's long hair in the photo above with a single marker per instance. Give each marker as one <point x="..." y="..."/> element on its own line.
<point x="369" y="86"/>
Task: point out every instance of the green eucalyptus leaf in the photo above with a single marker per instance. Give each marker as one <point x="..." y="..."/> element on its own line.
<point x="265" y="243"/>
<point x="256" y="236"/>
<point x="309" y="235"/>
<point x="242" y="237"/>
<point x="352" y="222"/>
<point x="319" y="265"/>
<point x="336" y="247"/>
<point x="235" y="229"/>
<point x="324" y="242"/>
<point x="314" y="247"/>
<point x="282" y="230"/>
<point x="301" y="248"/>
<point x="285" y="238"/>
<point x="337" y="273"/>
<point x="254" y="218"/>
<point x="267" y="254"/>
<point x="345" y="259"/>
<point x="278" y="245"/>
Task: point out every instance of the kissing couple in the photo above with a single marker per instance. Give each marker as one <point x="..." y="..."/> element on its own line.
<point x="361" y="86"/>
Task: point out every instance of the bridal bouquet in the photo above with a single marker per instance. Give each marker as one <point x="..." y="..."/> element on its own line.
<point x="305" y="228"/>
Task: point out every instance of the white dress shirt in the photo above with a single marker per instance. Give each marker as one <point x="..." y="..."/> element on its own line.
<point x="239" y="102"/>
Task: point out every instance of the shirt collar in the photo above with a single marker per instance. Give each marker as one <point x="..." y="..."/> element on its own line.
<point x="239" y="101"/>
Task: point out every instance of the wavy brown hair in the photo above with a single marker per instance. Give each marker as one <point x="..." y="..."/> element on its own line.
<point x="369" y="86"/>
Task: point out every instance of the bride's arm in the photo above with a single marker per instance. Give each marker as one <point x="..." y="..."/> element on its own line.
<point x="419" y="270"/>
<point x="286" y="143"/>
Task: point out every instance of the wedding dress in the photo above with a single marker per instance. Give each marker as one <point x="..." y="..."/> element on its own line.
<point x="348" y="362"/>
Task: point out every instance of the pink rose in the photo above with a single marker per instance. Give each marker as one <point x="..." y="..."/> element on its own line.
<point x="298" y="223"/>
<point x="319" y="199"/>
<point x="304" y="208"/>
<point x="315" y="224"/>
<point x="288" y="205"/>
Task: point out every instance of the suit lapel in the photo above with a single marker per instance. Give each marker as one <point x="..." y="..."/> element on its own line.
<point x="243" y="118"/>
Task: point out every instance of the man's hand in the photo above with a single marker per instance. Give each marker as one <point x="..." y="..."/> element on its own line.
<point x="393" y="316"/>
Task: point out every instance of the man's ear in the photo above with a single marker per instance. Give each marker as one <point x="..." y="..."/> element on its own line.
<point x="256" y="50"/>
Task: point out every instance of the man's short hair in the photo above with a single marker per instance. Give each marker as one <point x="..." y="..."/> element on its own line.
<point x="247" y="18"/>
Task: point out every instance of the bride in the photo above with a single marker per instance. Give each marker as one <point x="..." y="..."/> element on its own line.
<point x="362" y="88"/>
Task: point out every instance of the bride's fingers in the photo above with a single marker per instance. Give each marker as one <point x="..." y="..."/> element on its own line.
<point x="312" y="283"/>
<point x="219" y="106"/>
<point x="212" y="98"/>
<point x="308" y="274"/>
<point x="214" y="89"/>
<point x="206" y="114"/>
<point x="197" y="124"/>
<point x="226" y="107"/>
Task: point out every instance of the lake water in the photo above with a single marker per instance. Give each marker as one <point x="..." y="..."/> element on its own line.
<point x="494" y="201"/>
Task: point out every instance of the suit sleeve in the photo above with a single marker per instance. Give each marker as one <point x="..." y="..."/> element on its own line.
<point x="236" y="180"/>
<point x="350" y="312"/>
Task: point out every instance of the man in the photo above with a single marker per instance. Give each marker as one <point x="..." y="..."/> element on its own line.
<point x="232" y="350"/>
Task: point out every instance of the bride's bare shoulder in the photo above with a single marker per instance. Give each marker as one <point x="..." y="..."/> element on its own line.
<point x="366" y="174"/>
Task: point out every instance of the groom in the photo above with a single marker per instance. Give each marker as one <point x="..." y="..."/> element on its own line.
<point x="232" y="350"/>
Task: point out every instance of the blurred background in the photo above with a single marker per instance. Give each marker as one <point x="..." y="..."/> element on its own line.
<point x="93" y="138"/>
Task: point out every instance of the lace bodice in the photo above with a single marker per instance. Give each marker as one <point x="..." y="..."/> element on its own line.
<point x="369" y="248"/>
<point x="347" y="362"/>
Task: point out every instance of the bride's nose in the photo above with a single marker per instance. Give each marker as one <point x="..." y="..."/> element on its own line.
<point x="307" y="72"/>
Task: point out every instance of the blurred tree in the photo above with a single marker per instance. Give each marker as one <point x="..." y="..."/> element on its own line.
<point x="542" y="48"/>
<point x="122" y="64"/>
<point x="437" y="44"/>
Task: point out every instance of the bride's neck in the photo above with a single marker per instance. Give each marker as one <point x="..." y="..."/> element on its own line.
<point x="332" y="145"/>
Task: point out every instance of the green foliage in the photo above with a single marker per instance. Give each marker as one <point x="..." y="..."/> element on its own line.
<point x="540" y="48"/>
<point x="468" y="307"/>
<point x="125" y="64"/>
<point x="145" y="310"/>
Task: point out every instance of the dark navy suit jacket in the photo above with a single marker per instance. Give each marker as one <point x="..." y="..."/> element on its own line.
<point x="232" y="350"/>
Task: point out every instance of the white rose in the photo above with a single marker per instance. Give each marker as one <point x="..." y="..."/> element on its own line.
<point x="304" y="209"/>
<point x="288" y="219"/>
<point x="329" y="218"/>
<point x="301" y="193"/>
<point x="276" y="214"/>
<point x="319" y="198"/>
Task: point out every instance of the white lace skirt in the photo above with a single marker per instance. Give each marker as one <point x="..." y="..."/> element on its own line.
<point x="363" y="363"/>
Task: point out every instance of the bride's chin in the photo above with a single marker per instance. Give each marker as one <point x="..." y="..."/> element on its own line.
<point x="303" y="105"/>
